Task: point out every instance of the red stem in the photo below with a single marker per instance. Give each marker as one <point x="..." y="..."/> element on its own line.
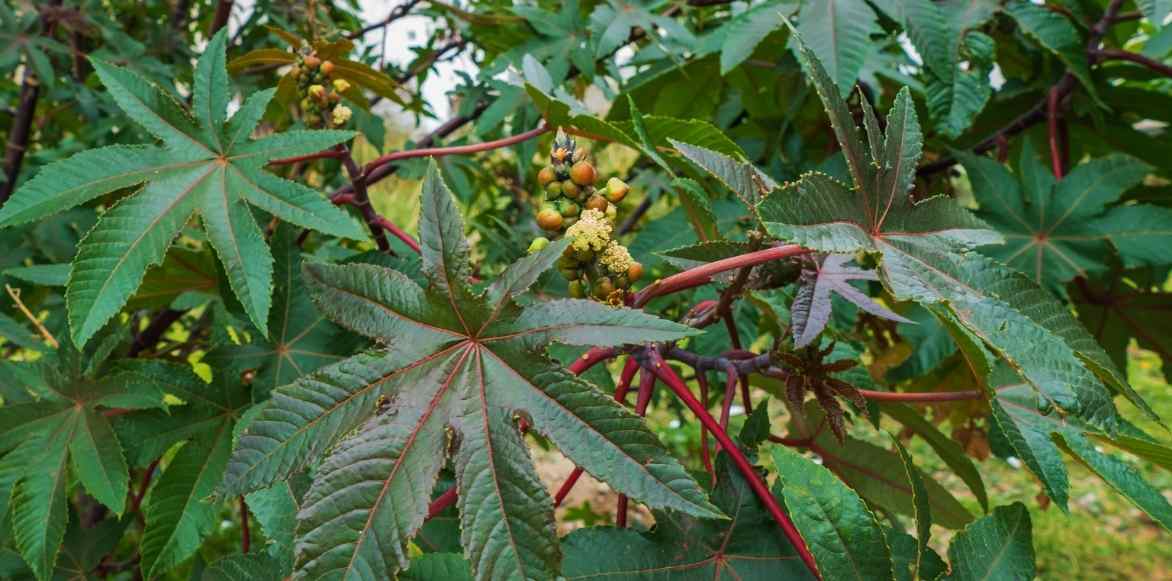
<point x="620" y="517"/>
<point x="1053" y="99"/>
<point x="567" y="486"/>
<point x="730" y="390"/>
<point x="448" y="498"/>
<point x="136" y="501"/>
<point x="591" y="358"/>
<point x="245" y="537"/>
<point x="456" y="150"/>
<point x="694" y="277"/>
<point x="705" y="454"/>
<point x="925" y="397"/>
<point x="673" y="381"/>
<point x="327" y="154"/>
<point x="1139" y="59"/>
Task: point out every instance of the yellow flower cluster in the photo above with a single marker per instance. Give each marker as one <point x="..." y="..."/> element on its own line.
<point x="591" y="232"/>
<point x="616" y="258"/>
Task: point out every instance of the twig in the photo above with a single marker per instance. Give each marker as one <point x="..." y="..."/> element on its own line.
<point x="362" y="198"/>
<point x="1139" y="59"/>
<point x="398" y="12"/>
<point x="673" y="381"/>
<point x="327" y="154"/>
<point x="567" y="486"/>
<point x="154" y="331"/>
<point x="220" y="19"/>
<point x="699" y="275"/>
<point x="245" y="536"/>
<point x="442" y="502"/>
<point x="633" y="218"/>
<point x="705" y="454"/>
<point x="1052" y="113"/>
<point x="22" y="122"/>
<point x="591" y="358"/>
<point x="456" y="150"/>
<point x="15" y="294"/>
<point x="920" y="397"/>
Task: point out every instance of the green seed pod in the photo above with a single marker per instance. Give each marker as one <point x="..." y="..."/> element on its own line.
<point x="568" y="209"/>
<point x="612" y="212"/>
<point x="577" y="289"/>
<point x="602" y="288"/>
<point x="570" y="189"/>
<point x="554" y="189"/>
<point x="538" y="244"/>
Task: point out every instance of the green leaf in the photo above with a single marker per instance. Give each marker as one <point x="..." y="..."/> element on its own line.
<point x="745" y="31"/>
<point x="879" y="477"/>
<point x="96" y="457"/>
<point x="438" y="567"/>
<point x="923" y="511"/>
<point x="1056" y="34"/>
<point x="998" y="546"/>
<point x="840" y="530"/>
<point x="746" y="546"/>
<point x="40" y="511"/>
<point x="742" y="178"/>
<point x="948" y="450"/>
<point x="275" y="510"/>
<point x="1036" y="433"/>
<point x="839" y="32"/>
<point x="1064" y="230"/>
<point x="458" y="371"/>
<point x="206" y="167"/>
<point x="957" y="60"/>
<point x="301" y="339"/>
<point x="254" y="567"/>
<point x="178" y="513"/>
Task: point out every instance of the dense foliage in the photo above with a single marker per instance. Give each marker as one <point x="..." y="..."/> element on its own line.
<point x="879" y="227"/>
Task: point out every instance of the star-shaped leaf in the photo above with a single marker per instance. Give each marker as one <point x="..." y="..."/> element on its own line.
<point x="207" y="166"/>
<point x="302" y="339"/>
<point x="459" y="372"/>
<point x="52" y="425"/>
<point x="811" y="308"/>
<point x="924" y="257"/>
<point x="1055" y="231"/>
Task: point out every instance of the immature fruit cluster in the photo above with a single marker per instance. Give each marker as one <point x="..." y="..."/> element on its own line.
<point x="321" y="96"/>
<point x="595" y="265"/>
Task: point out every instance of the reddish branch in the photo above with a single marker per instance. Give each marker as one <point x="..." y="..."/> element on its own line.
<point x="1139" y="59"/>
<point x="443" y="501"/>
<point x="665" y="374"/>
<point x="456" y="150"/>
<point x="220" y="19"/>
<point x="22" y="122"/>
<point x="703" y="274"/>
<point x="1053" y="99"/>
<point x="245" y="535"/>
<point x="362" y="199"/>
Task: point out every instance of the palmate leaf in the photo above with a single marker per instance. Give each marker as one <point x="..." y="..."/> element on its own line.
<point x="841" y="531"/>
<point x="206" y="166"/>
<point x="58" y="430"/>
<point x="458" y="372"/>
<point x="811" y="307"/>
<point x="1055" y="231"/>
<point x="682" y="548"/>
<point x="301" y="339"/>
<point x="924" y="257"/>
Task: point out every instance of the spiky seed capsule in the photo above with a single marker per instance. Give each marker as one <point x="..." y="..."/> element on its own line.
<point x="583" y="173"/>
<point x="549" y="219"/>
<point x="327" y="67"/>
<point x="635" y="272"/>
<point x="597" y="203"/>
<point x="545" y="176"/>
<point x="571" y="189"/>
<point x="616" y="190"/>
<point x="568" y="209"/>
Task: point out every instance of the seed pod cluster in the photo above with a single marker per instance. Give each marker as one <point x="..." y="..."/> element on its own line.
<point x="321" y="95"/>
<point x="595" y="265"/>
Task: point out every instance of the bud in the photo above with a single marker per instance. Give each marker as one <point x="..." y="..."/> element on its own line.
<point x="577" y="290"/>
<point x="635" y="272"/>
<point x="596" y="202"/>
<point x="327" y="67"/>
<point x="317" y="91"/>
<point x="340" y="85"/>
<point x="570" y="189"/>
<point x="341" y="115"/>
<point x="549" y="219"/>
<point x="312" y="61"/>
<point x="545" y="176"/>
